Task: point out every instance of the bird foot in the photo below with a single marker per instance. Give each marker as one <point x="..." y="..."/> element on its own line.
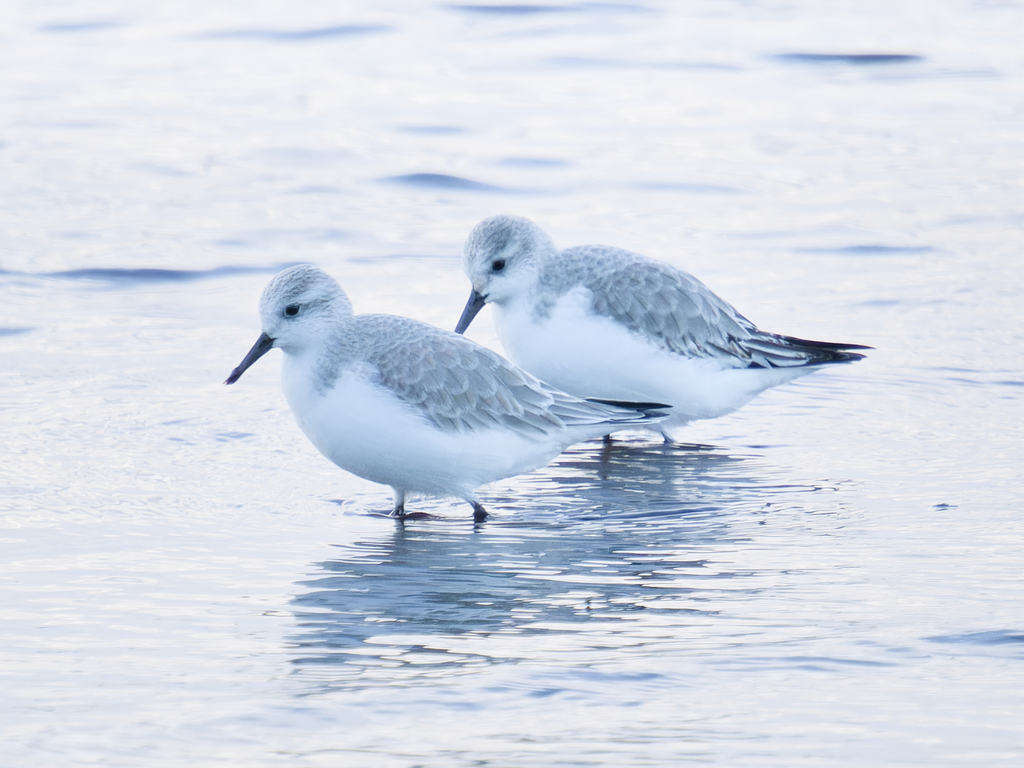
<point x="479" y="513"/>
<point x="399" y="514"/>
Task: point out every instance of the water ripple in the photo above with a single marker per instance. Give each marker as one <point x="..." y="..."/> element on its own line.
<point x="872" y="250"/>
<point x="533" y="10"/>
<point x="80" y="26"/>
<point x="992" y="637"/>
<point x="295" y="35"/>
<point x="157" y="275"/>
<point x="853" y="59"/>
<point x="442" y="181"/>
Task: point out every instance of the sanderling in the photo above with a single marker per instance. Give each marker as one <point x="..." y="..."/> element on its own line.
<point x="602" y="322"/>
<point x="405" y="404"/>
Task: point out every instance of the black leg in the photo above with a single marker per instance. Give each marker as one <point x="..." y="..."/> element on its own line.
<point x="399" y="510"/>
<point x="479" y="513"/>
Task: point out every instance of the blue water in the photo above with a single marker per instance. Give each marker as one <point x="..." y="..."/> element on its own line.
<point x="830" y="576"/>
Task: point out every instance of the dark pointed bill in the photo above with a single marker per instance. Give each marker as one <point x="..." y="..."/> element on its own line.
<point x="263" y="345"/>
<point x="473" y="306"/>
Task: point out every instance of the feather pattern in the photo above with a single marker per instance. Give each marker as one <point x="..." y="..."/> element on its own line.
<point x="457" y="384"/>
<point x="674" y="310"/>
<point x="403" y="403"/>
<point x="606" y="323"/>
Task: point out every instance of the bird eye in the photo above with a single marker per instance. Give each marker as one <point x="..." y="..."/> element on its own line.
<point x="497" y="265"/>
<point x="291" y="310"/>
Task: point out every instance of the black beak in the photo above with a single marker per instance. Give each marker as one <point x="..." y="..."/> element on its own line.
<point x="473" y="306"/>
<point x="263" y="345"/>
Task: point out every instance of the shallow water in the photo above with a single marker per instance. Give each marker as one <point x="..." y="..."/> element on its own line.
<point x="830" y="576"/>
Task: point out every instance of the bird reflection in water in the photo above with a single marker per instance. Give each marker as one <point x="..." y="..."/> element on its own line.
<point x="586" y="549"/>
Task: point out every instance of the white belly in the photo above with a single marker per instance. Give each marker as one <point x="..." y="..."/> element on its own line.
<point x="592" y="356"/>
<point x="366" y="430"/>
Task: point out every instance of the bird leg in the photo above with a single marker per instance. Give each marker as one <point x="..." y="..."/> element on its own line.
<point x="399" y="510"/>
<point x="479" y="513"/>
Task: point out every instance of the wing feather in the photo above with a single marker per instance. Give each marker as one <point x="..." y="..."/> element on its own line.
<point x="457" y="384"/>
<point x="675" y="311"/>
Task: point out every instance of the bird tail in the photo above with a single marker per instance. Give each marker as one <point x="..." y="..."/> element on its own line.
<point x="576" y="412"/>
<point x="769" y="350"/>
<point x="649" y="410"/>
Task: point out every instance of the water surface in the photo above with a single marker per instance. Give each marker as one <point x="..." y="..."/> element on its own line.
<point x="830" y="576"/>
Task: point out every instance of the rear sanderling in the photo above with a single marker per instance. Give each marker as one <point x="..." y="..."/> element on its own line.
<point x="602" y="322"/>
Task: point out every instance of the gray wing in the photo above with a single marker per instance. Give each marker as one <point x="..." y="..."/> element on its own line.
<point x="461" y="386"/>
<point x="679" y="313"/>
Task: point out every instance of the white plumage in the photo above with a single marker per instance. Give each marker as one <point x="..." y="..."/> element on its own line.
<point x="602" y="322"/>
<point x="408" y="405"/>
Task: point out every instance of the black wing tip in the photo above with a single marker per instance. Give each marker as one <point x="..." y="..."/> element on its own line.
<point x="846" y="357"/>
<point x="841" y="355"/>
<point x="825" y="352"/>
<point x="649" y="410"/>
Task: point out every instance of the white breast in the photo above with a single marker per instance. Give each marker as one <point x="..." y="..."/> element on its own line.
<point x="367" y="430"/>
